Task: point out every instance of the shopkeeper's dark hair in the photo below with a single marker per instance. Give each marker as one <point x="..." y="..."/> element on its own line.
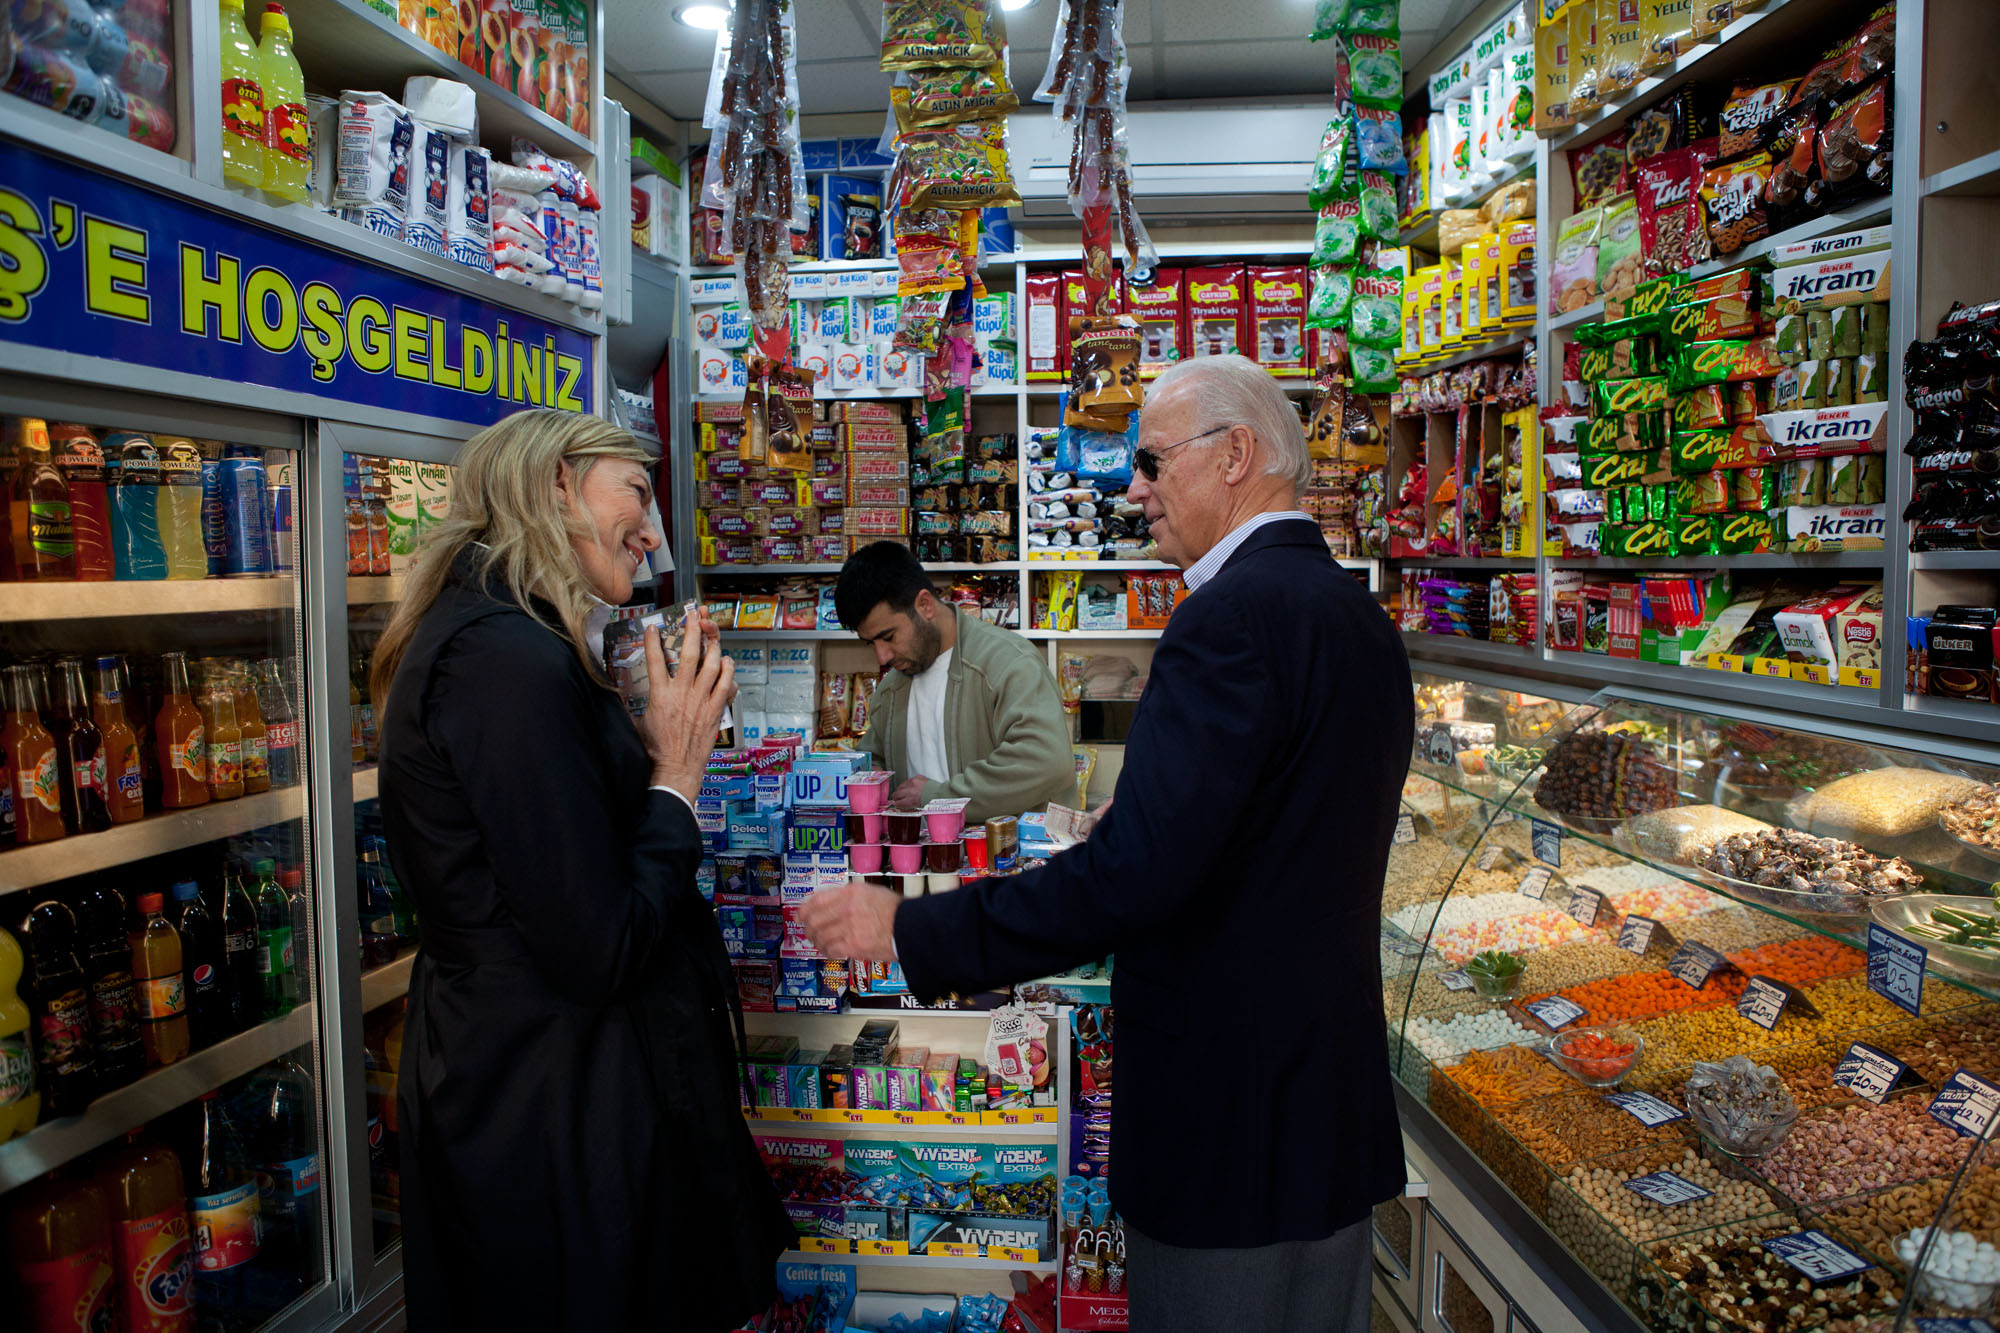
<point x="877" y="573"/>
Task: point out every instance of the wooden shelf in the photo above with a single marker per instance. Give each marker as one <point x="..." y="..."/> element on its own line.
<point x="373" y="589"/>
<point x="47" y="862"/>
<point x="387" y="983"/>
<point x="161" y="597"/>
<point x="1977" y="179"/>
<point x="55" y="1142"/>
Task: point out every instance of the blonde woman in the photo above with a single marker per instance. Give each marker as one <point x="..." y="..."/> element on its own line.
<point x="573" y="1155"/>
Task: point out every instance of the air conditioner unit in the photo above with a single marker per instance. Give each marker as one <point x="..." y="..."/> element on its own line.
<point x="1195" y="160"/>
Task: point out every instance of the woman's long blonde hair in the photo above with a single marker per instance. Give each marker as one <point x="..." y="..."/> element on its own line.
<point x="504" y="498"/>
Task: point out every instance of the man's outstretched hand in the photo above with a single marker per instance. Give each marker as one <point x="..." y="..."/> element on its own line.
<point x="856" y="920"/>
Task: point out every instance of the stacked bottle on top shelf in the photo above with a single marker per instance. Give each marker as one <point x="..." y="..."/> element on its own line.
<point x="94" y="505"/>
<point x="79" y="758"/>
<point x="109" y="992"/>
<point x="207" y="1219"/>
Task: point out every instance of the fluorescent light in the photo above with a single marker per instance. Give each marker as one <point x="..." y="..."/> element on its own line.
<point x="1011" y="5"/>
<point x="709" y="18"/>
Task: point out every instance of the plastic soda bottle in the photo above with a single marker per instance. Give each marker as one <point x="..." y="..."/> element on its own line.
<point x="114" y="996"/>
<point x="223" y="1213"/>
<point x="284" y="1139"/>
<point x="20" y="1104"/>
<point x="276" y="961"/>
<point x="243" y="155"/>
<point x="59" y="1001"/>
<point x="59" y="1234"/>
<point x="153" y="1257"/>
<point x="132" y="472"/>
<point x="179" y="499"/>
<point x="39" y="514"/>
<point x="157" y="968"/>
<point x="241" y="951"/>
<point x="202" y="963"/>
<point x="287" y="145"/>
<point x="183" y="743"/>
<point x="81" y="458"/>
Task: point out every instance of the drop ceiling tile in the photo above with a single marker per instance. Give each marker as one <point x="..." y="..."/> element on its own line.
<point x="1207" y="21"/>
<point x="1237" y="69"/>
<point x="643" y="35"/>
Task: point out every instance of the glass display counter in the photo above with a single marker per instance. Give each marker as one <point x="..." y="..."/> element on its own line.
<point x="1714" y="999"/>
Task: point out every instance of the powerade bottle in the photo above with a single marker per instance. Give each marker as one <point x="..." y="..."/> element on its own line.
<point x="132" y="472"/>
<point x="179" y="500"/>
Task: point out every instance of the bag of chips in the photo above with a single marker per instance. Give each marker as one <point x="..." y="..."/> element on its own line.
<point x="1330" y="167"/>
<point x="1733" y="193"/>
<point x="920" y="33"/>
<point x="1598" y="171"/>
<point x="1573" y="278"/>
<point x="1332" y="296"/>
<point x="1378" y="137"/>
<point x="956" y="167"/>
<point x="1375" y="69"/>
<point x="1337" y="18"/>
<point x="947" y="96"/>
<point x="1337" y="233"/>
<point x="1743" y="115"/>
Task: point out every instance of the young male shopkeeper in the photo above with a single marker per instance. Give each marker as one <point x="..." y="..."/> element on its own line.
<point x="967" y="708"/>
<point x="1246" y="846"/>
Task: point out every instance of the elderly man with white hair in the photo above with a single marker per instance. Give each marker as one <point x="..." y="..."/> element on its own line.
<point x="1242" y="859"/>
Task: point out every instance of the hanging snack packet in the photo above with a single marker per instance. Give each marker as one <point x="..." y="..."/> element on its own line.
<point x="861" y="229"/>
<point x="1332" y="297"/>
<point x="1660" y="128"/>
<point x="1621" y="41"/>
<point x="1378" y="207"/>
<point x="1338" y="18"/>
<point x="921" y="33"/>
<point x="1104" y="366"/>
<point x="1330" y="167"/>
<point x="1337" y="233"/>
<point x="753" y="445"/>
<point x="935" y="97"/>
<point x="957" y="166"/>
<point x="1734" y="195"/>
<point x="1375" y="314"/>
<point x="1672" y="236"/>
<point x="1792" y="139"/>
<point x="788" y="415"/>
<point x="1375" y="68"/>
<point x="1373" y="369"/>
<point x="1378" y="137"/>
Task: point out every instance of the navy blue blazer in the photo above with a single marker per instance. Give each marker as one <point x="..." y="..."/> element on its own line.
<point x="1238" y="879"/>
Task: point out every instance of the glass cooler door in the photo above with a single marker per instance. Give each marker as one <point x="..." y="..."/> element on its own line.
<point x="160" y="1064"/>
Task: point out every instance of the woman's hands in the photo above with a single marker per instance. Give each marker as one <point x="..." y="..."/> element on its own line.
<point x="684" y="711"/>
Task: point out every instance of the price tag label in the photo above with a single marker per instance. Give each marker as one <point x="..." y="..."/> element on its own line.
<point x="1967" y="1103"/>
<point x="1407" y="948"/>
<point x="883" y="1249"/>
<point x="1667" y="1189"/>
<point x="951" y="1249"/>
<point x="1646" y="1108"/>
<point x="1535" y="884"/>
<point x="1547" y="840"/>
<point x="1504" y="816"/>
<point x="824" y="1245"/>
<point x="1637" y="934"/>
<point x="1584" y="905"/>
<point x="1406" y="828"/>
<point x="1694" y="963"/>
<point x="1896" y="968"/>
<point x="1869" y="1072"/>
<point x="1763" y="1002"/>
<point x="1865" y="678"/>
<point x="1492" y="856"/>
<point x="1811" y="673"/>
<point x="1555" y="1011"/>
<point x="1724" y="662"/>
<point x="1455" y="980"/>
<point x="1013" y="1254"/>
<point x="1773" y="667"/>
<point x="1957" y="1324"/>
<point x="1818" y="1256"/>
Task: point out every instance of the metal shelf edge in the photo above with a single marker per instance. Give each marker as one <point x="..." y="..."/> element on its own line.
<point x="46" y="862"/>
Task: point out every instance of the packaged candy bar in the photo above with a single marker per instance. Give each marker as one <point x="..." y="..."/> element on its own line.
<point x="1812" y="384"/>
<point x="1843" y="479"/>
<point x="1646" y="393"/>
<point x="1834" y="528"/>
<point x="1624" y="432"/>
<point x="1788" y="336"/>
<point x="1724" y="361"/>
<point x="1786" y="386"/>
<point x="1745" y="534"/>
<point x="1747" y="400"/>
<point x="1819" y="334"/>
<point x="1875" y="327"/>
<point x="1710" y="450"/>
<point x="1646" y="539"/>
<point x="1722" y="317"/>
<point x="1603" y="471"/>
<point x="1872" y="487"/>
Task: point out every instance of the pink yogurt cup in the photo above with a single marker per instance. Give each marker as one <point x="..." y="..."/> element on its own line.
<point x="864" y="858"/>
<point x="867" y="793"/>
<point x="906" y="858"/>
<point x="945" y="825"/>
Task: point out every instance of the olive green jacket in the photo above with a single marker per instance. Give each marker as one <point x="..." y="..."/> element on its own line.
<point x="1005" y="735"/>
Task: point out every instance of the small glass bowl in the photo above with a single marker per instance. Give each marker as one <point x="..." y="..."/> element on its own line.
<point x="1596" y="1071"/>
<point x="1495" y="988"/>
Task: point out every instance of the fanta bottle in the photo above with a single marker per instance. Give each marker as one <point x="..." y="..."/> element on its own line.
<point x="59" y="1234"/>
<point x="152" y="1250"/>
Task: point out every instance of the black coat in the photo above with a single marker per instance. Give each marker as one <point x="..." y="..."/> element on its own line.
<point x="1238" y="878"/>
<point x="574" y="1155"/>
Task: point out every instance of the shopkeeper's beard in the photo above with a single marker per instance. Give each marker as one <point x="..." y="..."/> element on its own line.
<point x="927" y="644"/>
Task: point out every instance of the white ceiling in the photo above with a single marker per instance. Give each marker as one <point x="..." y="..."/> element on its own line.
<point x="1180" y="49"/>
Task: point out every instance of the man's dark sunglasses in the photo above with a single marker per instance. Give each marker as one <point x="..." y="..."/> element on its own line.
<point x="1148" y="460"/>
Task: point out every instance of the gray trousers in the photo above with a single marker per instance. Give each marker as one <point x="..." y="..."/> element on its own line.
<point x="1313" y="1286"/>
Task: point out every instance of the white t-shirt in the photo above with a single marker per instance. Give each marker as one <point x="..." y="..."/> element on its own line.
<point x="927" y="756"/>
